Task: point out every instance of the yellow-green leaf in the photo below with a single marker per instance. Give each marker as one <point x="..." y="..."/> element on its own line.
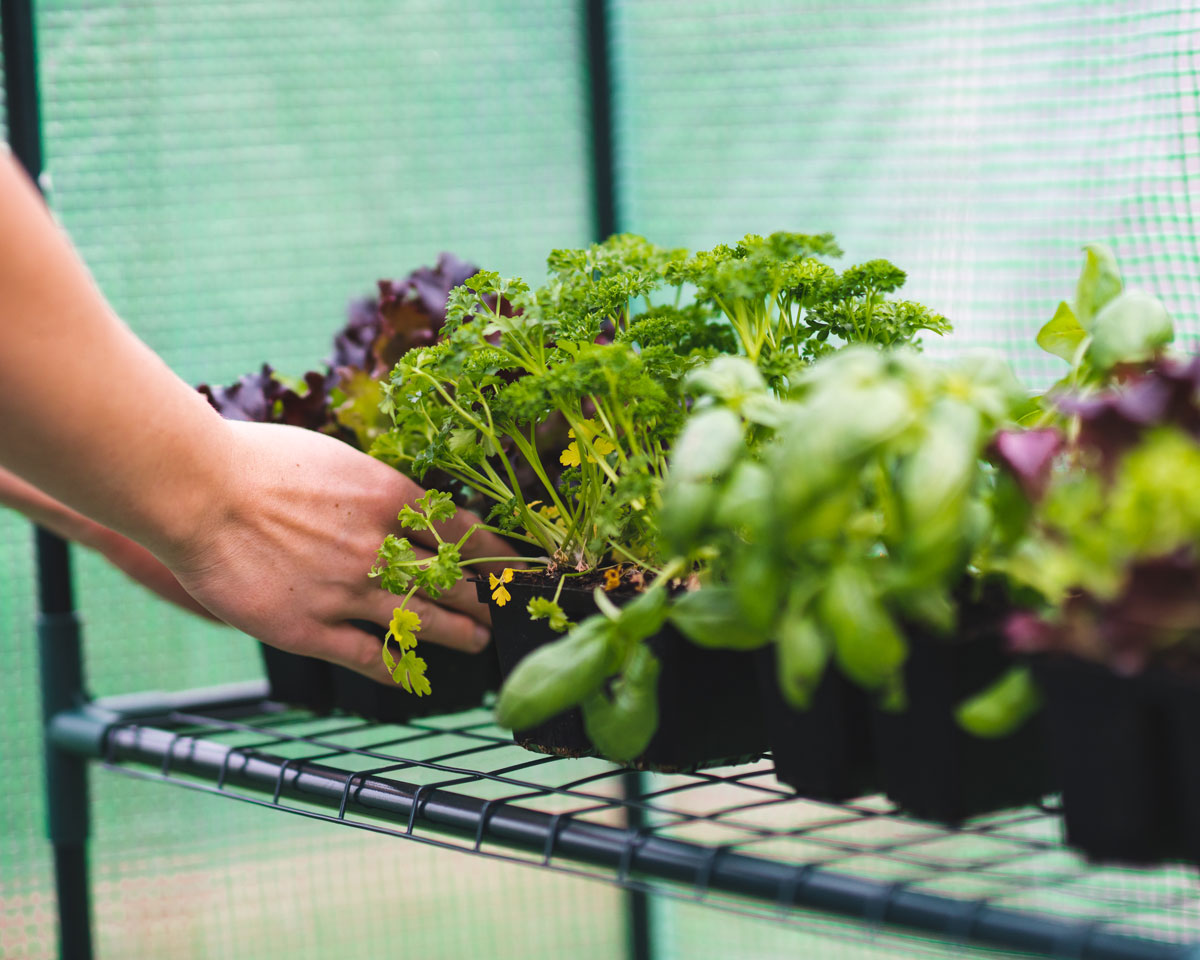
<point x="1099" y="282"/>
<point x="1062" y="334"/>
<point x="1001" y="708"/>
<point x="404" y="627"/>
<point x="410" y="674"/>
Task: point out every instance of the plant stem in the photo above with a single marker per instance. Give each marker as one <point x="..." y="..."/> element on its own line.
<point x="545" y="561"/>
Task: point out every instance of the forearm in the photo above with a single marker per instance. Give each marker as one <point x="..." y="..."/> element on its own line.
<point x="88" y="413"/>
<point x="43" y="510"/>
<point x="134" y="560"/>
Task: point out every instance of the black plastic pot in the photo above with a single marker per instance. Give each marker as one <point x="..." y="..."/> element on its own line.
<point x="1114" y="747"/>
<point x="459" y="681"/>
<point x="928" y="764"/>
<point x="1181" y="702"/>
<point x="515" y="636"/>
<point x="708" y="700"/>
<point x="826" y="751"/>
<point x="298" y="681"/>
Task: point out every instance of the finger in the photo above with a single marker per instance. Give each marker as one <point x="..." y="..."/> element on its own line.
<point x="438" y="624"/>
<point x="481" y="543"/>
<point x="349" y="647"/>
<point x="405" y="493"/>
<point x="462" y="597"/>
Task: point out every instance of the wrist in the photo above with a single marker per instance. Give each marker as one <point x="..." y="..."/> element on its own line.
<point x="192" y="487"/>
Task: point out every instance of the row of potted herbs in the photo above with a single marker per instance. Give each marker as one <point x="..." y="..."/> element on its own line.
<point x="751" y="514"/>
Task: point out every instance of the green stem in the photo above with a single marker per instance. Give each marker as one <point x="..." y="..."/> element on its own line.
<point x="468" y="476"/>
<point x="545" y="561"/>
<point x="510" y="534"/>
<point x="617" y="548"/>
<point x="452" y="403"/>
<point x="528" y="450"/>
<point x="673" y="569"/>
<point x="606" y="420"/>
<point x="531" y="519"/>
<point x="739" y="328"/>
<point x="552" y="532"/>
<point x="489" y="483"/>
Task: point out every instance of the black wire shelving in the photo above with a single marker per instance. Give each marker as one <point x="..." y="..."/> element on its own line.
<point x="733" y="838"/>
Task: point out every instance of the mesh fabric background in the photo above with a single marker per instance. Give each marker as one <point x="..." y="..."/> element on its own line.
<point x="234" y="173"/>
<point x="977" y="145"/>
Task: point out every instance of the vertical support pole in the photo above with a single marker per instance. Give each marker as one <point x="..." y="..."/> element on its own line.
<point x="59" y="654"/>
<point x="60" y="660"/>
<point x="639" y="935"/>
<point x="604" y="193"/>
<point x="639" y="939"/>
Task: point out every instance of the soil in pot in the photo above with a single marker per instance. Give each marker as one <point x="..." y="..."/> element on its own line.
<point x="298" y="681"/>
<point x="928" y="764"/>
<point x="1110" y="742"/>
<point x="824" y="752"/>
<point x="459" y="680"/>
<point x="708" y="700"/>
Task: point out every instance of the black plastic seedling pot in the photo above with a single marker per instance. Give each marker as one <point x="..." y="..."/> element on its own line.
<point x="708" y="700"/>
<point x="1124" y="749"/>
<point x="459" y="681"/>
<point x="928" y="764"/>
<point x="824" y="752"/>
<point x="298" y="681"/>
<point x="1181" y="701"/>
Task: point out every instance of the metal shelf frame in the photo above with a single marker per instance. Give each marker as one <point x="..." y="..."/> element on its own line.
<point x="724" y="837"/>
<point x="460" y="783"/>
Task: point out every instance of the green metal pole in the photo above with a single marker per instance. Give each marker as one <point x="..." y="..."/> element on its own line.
<point x="59" y="654"/>
<point x="639" y="934"/>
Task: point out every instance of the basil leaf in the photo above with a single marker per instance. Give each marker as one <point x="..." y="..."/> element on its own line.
<point x="1130" y="329"/>
<point x="712" y="617"/>
<point x="557" y="676"/>
<point x="869" y="648"/>
<point x="621" y="727"/>
<point x="643" y="616"/>
<point x="708" y="446"/>
<point x="801" y="651"/>
<point x="1003" y="707"/>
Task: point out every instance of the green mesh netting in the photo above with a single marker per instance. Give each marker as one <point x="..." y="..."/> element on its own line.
<point x="235" y="172"/>
<point x="978" y="145"/>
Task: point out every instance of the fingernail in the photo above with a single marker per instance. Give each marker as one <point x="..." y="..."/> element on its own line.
<point x="482" y="636"/>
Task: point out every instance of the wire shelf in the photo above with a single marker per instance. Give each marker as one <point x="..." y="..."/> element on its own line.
<point x="733" y="838"/>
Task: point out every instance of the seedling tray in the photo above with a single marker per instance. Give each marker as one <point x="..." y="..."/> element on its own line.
<point x="733" y="838"/>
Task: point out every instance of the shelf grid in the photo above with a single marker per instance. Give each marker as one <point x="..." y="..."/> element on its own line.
<point x="733" y="837"/>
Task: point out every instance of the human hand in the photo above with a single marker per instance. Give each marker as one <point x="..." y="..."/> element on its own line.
<point x="282" y="551"/>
